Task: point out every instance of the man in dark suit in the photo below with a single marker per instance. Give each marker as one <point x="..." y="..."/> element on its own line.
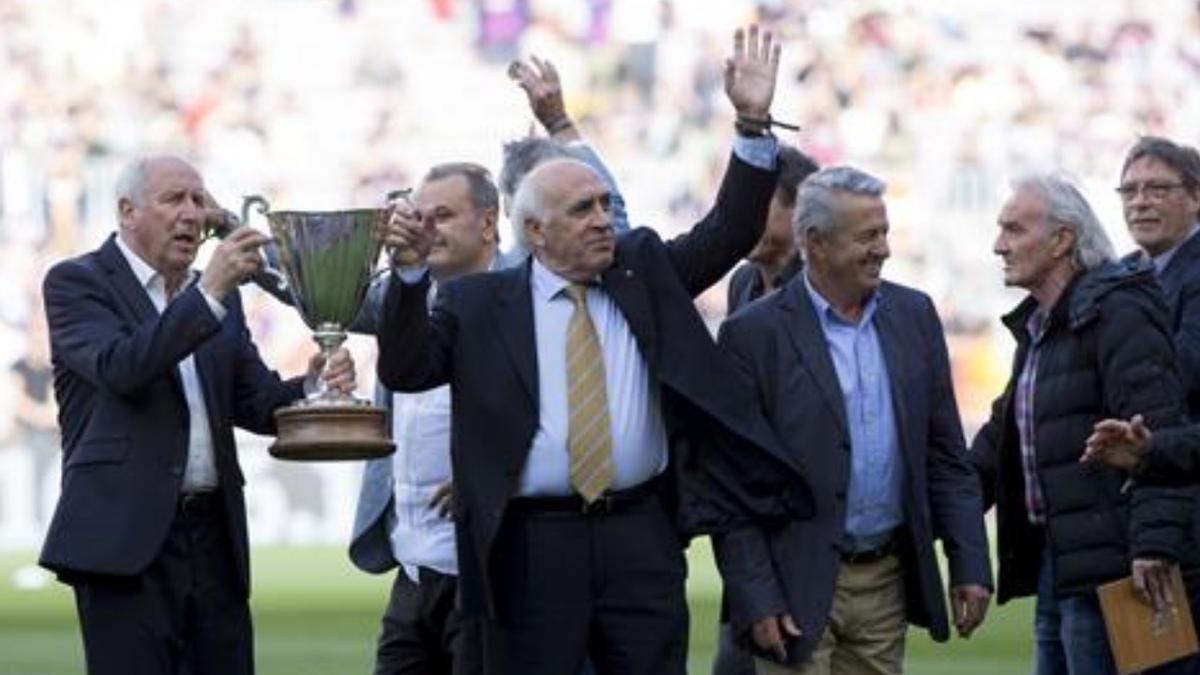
<point x="402" y="519"/>
<point x="854" y="377"/>
<point x="1160" y="193"/>
<point x="1160" y="196"/>
<point x="153" y="366"/>
<point x="774" y="260"/>
<point x="569" y="375"/>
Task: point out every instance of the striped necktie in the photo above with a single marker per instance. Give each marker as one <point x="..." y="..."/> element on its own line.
<point x="589" y="439"/>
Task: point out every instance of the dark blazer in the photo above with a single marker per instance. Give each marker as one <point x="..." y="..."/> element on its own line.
<point x="1180" y="282"/>
<point x="479" y="337"/>
<point x="746" y="285"/>
<point x="124" y="417"/>
<point x="779" y="342"/>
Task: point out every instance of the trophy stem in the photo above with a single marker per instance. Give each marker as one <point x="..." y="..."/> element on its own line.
<point x="328" y="336"/>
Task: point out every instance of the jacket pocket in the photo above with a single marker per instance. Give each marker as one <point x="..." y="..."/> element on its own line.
<point x="99" y="451"/>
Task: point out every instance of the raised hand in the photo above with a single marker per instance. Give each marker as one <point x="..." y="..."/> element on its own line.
<point x="751" y="72"/>
<point x="236" y="259"/>
<point x="539" y="80"/>
<point x="407" y="234"/>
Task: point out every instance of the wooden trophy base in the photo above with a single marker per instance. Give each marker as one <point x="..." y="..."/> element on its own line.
<point x="331" y="431"/>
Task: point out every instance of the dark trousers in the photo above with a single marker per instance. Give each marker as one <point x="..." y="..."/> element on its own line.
<point x="569" y="585"/>
<point x="422" y="632"/>
<point x="185" y="615"/>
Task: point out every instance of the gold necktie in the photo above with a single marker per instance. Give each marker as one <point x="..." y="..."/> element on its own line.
<point x="589" y="439"/>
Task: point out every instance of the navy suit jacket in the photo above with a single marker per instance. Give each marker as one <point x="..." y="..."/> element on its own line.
<point x="778" y="342"/>
<point x="1181" y="286"/>
<point x="124" y="417"/>
<point x="725" y="464"/>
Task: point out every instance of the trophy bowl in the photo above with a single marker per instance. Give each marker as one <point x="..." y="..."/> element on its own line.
<point x="326" y="260"/>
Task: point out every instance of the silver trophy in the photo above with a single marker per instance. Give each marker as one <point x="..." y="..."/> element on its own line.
<point x="325" y="261"/>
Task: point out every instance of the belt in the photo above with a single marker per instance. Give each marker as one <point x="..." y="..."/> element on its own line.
<point x="196" y="503"/>
<point x="607" y="503"/>
<point x="870" y="555"/>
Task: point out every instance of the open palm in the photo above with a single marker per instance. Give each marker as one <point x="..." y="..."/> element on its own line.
<point x="751" y="72"/>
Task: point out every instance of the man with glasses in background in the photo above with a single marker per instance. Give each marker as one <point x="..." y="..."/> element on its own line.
<point x="1160" y="199"/>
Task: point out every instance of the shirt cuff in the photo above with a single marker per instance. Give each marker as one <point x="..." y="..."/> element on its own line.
<point x="757" y="151"/>
<point x="215" y="305"/>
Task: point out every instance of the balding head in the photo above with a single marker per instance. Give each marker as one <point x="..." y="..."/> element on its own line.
<point x="160" y="205"/>
<point x="561" y="214"/>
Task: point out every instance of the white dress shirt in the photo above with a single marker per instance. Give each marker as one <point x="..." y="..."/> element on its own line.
<point x="200" y="474"/>
<point x="421" y="431"/>
<point x="639" y="437"/>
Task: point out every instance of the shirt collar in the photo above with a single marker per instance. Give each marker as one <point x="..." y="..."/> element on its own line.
<point x="141" y="269"/>
<point x="546" y="284"/>
<point x="146" y="275"/>
<point x="1163" y="259"/>
<point x="826" y="311"/>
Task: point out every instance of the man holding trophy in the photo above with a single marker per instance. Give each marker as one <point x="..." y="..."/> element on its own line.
<point x="153" y="367"/>
<point x="569" y="375"/>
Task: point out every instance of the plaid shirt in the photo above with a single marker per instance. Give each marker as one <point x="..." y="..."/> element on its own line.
<point x="1035" y="505"/>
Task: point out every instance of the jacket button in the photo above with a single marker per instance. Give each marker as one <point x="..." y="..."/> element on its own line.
<point x="840" y="494"/>
<point x="177" y="470"/>
<point x="846" y="446"/>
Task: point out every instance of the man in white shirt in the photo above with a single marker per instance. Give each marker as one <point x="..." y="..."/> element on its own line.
<point x="153" y="367"/>
<point x="398" y="524"/>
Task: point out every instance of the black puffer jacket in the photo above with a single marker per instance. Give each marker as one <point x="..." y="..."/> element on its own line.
<point x="1107" y="353"/>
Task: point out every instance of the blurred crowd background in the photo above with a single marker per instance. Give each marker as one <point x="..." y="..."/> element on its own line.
<point x="331" y="103"/>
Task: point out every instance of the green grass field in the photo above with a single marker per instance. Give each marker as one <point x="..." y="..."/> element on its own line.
<point x="315" y="615"/>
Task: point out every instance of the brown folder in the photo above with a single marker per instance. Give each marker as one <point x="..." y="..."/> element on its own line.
<point x="1140" y="637"/>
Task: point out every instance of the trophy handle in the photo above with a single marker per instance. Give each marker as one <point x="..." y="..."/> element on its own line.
<point x="402" y="256"/>
<point x="269" y="278"/>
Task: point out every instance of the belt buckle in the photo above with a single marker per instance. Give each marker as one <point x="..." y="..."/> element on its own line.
<point x="601" y="505"/>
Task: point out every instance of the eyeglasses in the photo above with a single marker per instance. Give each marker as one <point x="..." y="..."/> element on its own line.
<point x="1154" y="191"/>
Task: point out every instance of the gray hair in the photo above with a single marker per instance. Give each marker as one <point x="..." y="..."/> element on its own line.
<point x="519" y="158"/>
<point x="1182" y="159"/>
<point x="1065" y="205"/>
<point x="131" y="183"/>
<point x="530" y="200"/>
<point x="816" y="210"/>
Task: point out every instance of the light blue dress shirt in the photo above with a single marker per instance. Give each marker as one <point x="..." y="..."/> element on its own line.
<point x="873" y="503"/>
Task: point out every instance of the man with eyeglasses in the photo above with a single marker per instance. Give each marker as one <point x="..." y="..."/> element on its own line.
<point x="1160" y="193"/>
<point x="1160" y="196"/>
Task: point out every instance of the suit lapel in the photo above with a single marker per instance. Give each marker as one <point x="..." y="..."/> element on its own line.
<point x="628" y="290"/>
<point x="513" y="319"/>
<point x="896" y="358"/>
<point x="804" y="329"/>
<point x="1176" y="270"/>
<point x="130" y="292"/>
